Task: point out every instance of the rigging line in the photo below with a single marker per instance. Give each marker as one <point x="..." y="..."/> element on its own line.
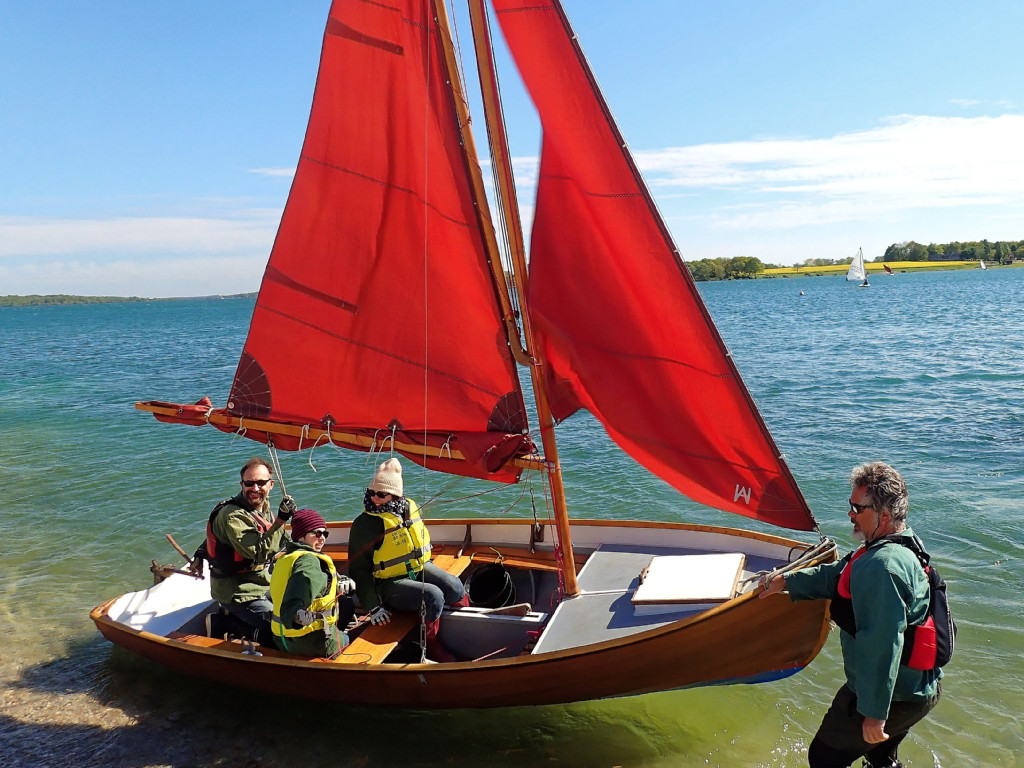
<point x="823" y="547"/>
<point x="371" y="453"/>
<point x="556" y="542"/>
<point x="457" y="41"/>
<point x="506" y="255"/>
<point x="275" y="462"/>
<point x="466" y="497"/>
<point x="506" y="237"/>
<point x="374" y="449"/>
<point x="394" y="430"/>
<point x="313" y="447"/>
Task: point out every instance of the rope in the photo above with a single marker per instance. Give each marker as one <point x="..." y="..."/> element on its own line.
<point x="818" y="550"/>
<point x="276" y="464"/>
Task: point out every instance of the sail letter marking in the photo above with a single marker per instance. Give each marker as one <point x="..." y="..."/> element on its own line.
<point x="743" y="493"/>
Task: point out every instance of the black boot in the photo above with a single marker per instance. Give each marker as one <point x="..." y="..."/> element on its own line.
<point x="890" y="762"/>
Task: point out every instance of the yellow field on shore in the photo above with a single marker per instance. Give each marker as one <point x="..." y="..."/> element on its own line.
<point x="895" y="266"/>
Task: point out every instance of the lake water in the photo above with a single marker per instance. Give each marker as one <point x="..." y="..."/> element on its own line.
<point x="923" y="371"/>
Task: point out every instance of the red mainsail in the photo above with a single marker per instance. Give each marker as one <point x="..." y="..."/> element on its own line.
<point x="615" y="314"/>
<point x="382" y="220"/>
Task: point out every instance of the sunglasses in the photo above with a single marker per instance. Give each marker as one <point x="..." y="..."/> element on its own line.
<point x="321" y="534"/>
<point x="379" y="494"/>
<point x="859" y="508"/>
<point x="258" y="483"/>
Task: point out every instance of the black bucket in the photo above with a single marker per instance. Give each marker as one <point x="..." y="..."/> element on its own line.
<point x="491" y="586"/>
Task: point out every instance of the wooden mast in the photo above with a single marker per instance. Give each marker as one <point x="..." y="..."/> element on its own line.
<point x="510" y="211"/>
<point x="477" y="182"/>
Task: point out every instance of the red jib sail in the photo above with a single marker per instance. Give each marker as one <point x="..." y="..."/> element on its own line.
<point x="615" y="313"/>
<point x="382" y="219"/>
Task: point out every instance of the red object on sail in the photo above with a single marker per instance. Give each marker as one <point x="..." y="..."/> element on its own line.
<point x="616" y="315"/>
<point x="381" y="219"/>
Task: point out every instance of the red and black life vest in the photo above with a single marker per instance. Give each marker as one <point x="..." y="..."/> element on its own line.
<point x="926" y="646"/>
<point x="224" y="559"/>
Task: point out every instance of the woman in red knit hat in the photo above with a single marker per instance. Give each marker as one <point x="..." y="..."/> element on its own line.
<point x="304" y="588"/>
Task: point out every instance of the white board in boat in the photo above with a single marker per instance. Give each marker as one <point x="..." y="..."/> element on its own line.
<point x="675" y="580"/>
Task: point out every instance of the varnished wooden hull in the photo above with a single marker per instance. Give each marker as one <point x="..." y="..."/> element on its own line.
<point x="744" y="640"/>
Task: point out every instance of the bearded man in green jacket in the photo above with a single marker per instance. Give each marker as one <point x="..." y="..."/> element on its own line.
<point x="878" y="592"/>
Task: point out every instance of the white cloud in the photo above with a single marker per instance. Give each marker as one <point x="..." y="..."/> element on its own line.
<point x="42" y="236"/>
<point x="150" y="278"/>
<point x="275" y="172"/>
<point x="912" y="164"/>
<point x="917" y="155"/>
<point x="932" y="179"/>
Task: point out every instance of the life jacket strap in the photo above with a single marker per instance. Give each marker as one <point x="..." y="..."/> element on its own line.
<point x="415" y="554"/>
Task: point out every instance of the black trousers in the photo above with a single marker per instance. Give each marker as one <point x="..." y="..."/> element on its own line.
<point x="840" y="740"/>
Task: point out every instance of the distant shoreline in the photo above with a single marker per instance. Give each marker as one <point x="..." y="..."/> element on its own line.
<point x="876" y="267"/>
<point x="62" y="299"/>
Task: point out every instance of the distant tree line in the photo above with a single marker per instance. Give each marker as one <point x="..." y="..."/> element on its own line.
<point x="58" y="299"/>
<point x="1002" y="251"/>
<point x="65" y="299"/>
<point x="737" y="267"/>
<point x="825" y="262"/>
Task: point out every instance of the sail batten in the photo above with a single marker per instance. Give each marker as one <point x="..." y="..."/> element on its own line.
<point x="617" y="318"/>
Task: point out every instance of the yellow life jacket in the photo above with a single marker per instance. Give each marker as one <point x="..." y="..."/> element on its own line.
<point x="325" y="607"/>
<point x="406" y="545"/>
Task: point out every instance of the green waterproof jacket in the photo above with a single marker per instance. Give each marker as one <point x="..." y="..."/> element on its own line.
<point x="307" y="582"/>
<point x="889" y="589"/>
<point x="235" y="524"/>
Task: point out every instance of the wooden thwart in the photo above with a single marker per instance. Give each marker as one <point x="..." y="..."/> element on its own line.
<point x="453" y="564"/>
<point x="512" y="557"/>
<point x="376" y="642"/>
<point x="231" y="646"/>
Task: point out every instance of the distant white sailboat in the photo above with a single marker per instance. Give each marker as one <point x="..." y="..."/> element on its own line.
<point x="981" y="264"/>
<point x="857" y="269"/>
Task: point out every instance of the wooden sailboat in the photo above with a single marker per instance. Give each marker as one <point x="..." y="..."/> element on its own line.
<point x="387" y="214"/>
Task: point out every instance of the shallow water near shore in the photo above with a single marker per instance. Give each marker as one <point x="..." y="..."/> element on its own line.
<point x="923" y="371"/>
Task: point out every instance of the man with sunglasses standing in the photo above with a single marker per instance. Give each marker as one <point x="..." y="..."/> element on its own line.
<point x="878" y="592"/>
<point x="241" y="541"/>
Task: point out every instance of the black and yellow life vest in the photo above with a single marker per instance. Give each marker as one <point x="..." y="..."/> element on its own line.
<point x="324" y="607"/>
<point x="405" y="548"/>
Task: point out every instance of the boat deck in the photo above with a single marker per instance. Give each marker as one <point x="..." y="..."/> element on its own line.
<point x="604" y="610"/>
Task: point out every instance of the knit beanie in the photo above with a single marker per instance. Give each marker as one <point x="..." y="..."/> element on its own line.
<point x="388" y="478"/>
<point x="304" y="521"/>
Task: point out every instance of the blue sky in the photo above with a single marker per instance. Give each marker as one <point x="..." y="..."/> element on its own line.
<point x="147" y="148"/>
